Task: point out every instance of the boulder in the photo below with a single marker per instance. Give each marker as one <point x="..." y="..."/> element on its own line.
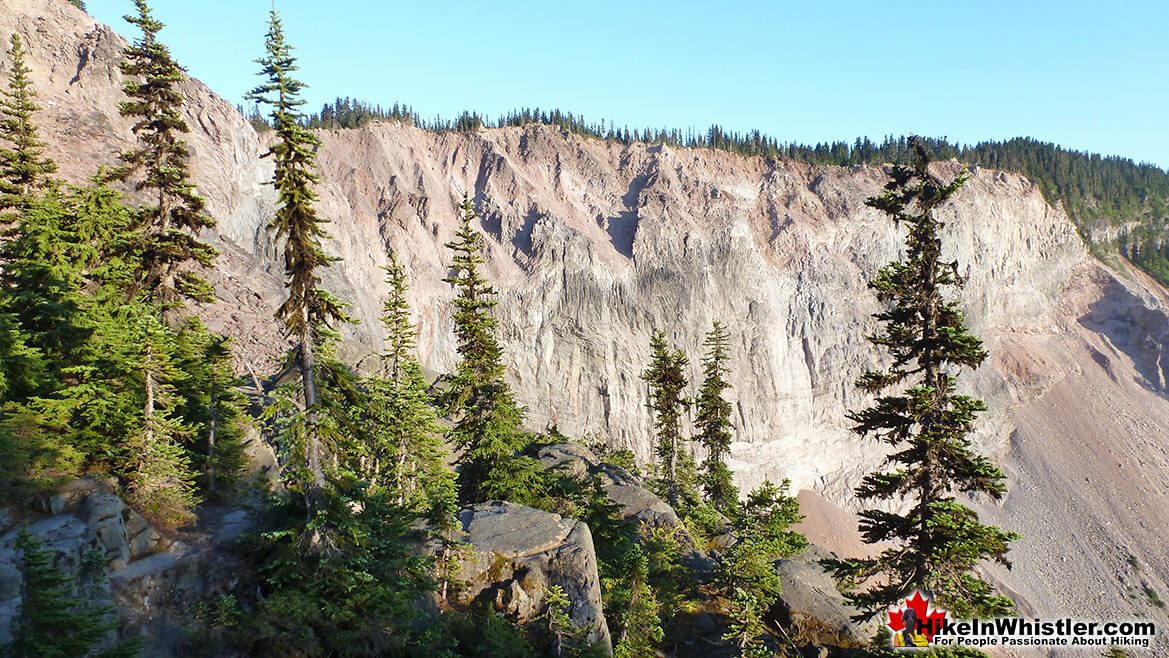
<point x="574" y="459"/>
<point x="517" y="552"/>
<point x="811" y="603"/>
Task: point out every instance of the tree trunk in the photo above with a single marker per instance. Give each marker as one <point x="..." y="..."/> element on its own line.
<point x="312" y="439"/>
<point x="211" y="441"/>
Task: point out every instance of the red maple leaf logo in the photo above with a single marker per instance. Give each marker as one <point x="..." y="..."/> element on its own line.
<point x="931" y="620"/>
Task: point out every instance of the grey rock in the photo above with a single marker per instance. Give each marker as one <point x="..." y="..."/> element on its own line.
<point x="9" y="581"/>
<point x="8" y="611"/>
<point x="813" y="604"/>
<point x="517" y="551"/>
<point x="233" y="525"/>
<point x="573" y="459"/>
<point x="641" y="506"/>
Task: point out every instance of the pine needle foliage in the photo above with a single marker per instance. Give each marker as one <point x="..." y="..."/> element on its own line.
<point x="937" y="542"/>
<point x="166" y="236"/>
<point x="666" y="377"/>
<point x="51" y="621"/>
<point x="487" y="418"/>
<point x="309" y="311"/>
<point x="404" y="456"/>
<point x="24" y="168"/>
<point x="714" y="422"/>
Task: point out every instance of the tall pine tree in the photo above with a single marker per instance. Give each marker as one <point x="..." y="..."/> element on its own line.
<point x="166" y="237"/>
<point x="666" y="376"/>
<point x="309" y="310"/>
<point x="487" y="418"/>
<point x="714" y="422"/>
<point x="937" y="543"/>
<point x="405" y="453"/>
<point x="24" y="169"/>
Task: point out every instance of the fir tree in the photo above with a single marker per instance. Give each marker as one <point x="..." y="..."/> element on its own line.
<point x="24" y="170"/>
<point x="166" y="237"/>
<point x="641" y="626"/>
<point x="936" y="544"/>
<point x="309" y="310"/>
<point x="714" y="422"/>
<point x="667" y="379"/>
<point x="487" y="418"/>
<point x="51" y="622"/>
<point x="162" y="480"/>
<point x="211" y="403"/>
<point x="405" y="453"/>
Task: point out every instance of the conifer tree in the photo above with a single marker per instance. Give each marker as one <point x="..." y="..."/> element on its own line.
<point x="405" y="452"/>
<point x="641" y="626"/>
<point x="936" y="544"/>
<point x="667" y="379"/>
<point x="24" y="170"/>
<point x="714" y="422"/>
<point x="51" y="622"/>
<point x="309" y="310"/>
<point x="211" y="404"/>
<point x="167" y="233"/>
<point x="487" y="418"/>
<point x="162" y="481"/>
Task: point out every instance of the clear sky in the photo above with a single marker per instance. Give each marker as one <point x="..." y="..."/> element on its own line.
<point x="1088" y="75"/>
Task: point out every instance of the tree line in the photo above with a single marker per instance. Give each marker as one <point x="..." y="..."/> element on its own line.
<point x="1094" y="190"/>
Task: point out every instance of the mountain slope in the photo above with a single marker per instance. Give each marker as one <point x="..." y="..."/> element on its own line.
<point x="593" y="245"/>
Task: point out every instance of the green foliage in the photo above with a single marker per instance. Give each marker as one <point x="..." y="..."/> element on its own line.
<point x="348" y="595"/>
<point x="404" y="455"/>
<point x="938" y="542"/>
<point x="714" y="422"/>
<point x="666" y="376"/>
<point x="166" y="233"/>
<point x="746" y="575"/>
<point x="309" y="310"/>
<point x="51" y="622"/>
<point x="212" y="405"/>
<point x="24" y="170"/>
<point x="487" y="418"/>
<point x="640" y="625"/>
<point x="746" y="626"/>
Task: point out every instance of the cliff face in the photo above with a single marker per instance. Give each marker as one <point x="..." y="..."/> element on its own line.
<point x="593" y="246"/>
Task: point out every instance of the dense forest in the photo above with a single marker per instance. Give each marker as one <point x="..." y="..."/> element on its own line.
<point x="1098" y="192"/>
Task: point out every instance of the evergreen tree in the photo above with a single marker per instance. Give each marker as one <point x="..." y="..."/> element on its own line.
<point x="937" y="542"/>
<point x="405" y="455"/>
<point x="24" y="170"/>
<point x="211" y="403"/>
<point x="641" y="626"/>
<point x="487" y="419"/>
<point x="162" y="481"/>
<point x="309" y="310"/>
<point x="667" y="379"/>
<point x="51" y="622"/>
<point x="714" y="422"/>
<point x="166" y="237"/>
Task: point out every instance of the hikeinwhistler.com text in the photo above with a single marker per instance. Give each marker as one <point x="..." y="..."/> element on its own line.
<point x="1020" y="632"/>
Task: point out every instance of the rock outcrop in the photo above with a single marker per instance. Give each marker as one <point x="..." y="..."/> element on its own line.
<point x="518" y="552"/>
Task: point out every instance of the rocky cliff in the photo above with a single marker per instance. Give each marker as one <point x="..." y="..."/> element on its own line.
<point x="594" y="245"/>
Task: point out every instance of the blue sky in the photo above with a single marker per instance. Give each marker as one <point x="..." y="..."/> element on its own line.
<point x="1092" y="76"/>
